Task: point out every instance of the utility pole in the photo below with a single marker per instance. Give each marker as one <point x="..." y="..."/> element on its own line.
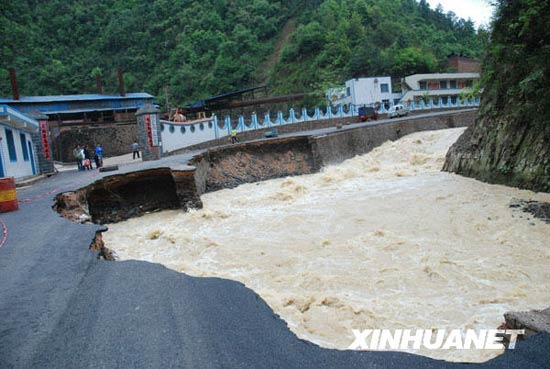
<point x="167" y="102"/>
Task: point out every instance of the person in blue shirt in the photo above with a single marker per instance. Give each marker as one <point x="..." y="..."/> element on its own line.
<point x="98" y="157"/>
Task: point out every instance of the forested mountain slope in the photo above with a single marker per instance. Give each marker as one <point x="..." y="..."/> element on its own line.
<point x="189" y="50"/>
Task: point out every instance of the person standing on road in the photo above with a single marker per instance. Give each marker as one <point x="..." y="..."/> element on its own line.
<point x="98" y="157"/>
<point x="135" y="150"/>
<point x="234" y="136"/>
<point x="87" y="157"/>
<point x="82" y="155"/>
<point x="78" y="157"/>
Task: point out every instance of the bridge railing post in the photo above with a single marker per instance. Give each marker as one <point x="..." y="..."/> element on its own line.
<point x="215" y="122"/>
<point x="305" y="117"/>
<point x="291" y="116"/>
<point x="280" y="119"/>
<point x="227" y="123"/>
<point x="340" y="112"/>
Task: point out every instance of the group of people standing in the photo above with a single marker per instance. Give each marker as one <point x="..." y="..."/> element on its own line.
<point x="82" y="155"/>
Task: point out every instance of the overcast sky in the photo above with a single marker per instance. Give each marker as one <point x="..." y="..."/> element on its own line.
<point x="479" y="11"/>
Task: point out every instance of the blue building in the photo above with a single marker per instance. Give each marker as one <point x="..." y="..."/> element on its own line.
<point x="18" y="151"/>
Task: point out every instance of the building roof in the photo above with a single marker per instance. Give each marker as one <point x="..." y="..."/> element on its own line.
<point x="367" y="78"/>
<point x="67" y="98"/>
<point x="204" y="103"/>
<point x="444" y="75"/>
<point x="413" y="81"/>
<point x="77" y="111"/>
<point x="16" y="119"/>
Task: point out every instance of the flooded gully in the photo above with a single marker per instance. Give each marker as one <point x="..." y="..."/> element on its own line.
<point x="382" y="241"/>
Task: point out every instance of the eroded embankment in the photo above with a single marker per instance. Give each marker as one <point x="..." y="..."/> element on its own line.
<point x="119" y="197"/>
<point x="228" y="167"/>
<point x="123" y="196"/>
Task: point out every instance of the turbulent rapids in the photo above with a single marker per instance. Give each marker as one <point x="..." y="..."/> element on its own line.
<point x="383" y="240"/>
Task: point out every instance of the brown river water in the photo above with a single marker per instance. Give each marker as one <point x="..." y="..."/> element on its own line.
<point x="383" y="240"/>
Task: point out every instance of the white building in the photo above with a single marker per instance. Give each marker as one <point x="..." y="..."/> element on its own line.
<point x="373" y="90"/>
<point x="17" y="152"/>
<point x="363" y="91"/>
<point x="437" y="85"/>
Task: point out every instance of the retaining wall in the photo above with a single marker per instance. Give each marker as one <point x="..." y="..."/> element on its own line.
<point x="115" y="140"/>
<point x="336" y="147"/>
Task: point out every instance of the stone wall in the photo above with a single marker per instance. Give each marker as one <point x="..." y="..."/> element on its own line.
<point x="336" y="147"/>
<point x="115" y="139"/>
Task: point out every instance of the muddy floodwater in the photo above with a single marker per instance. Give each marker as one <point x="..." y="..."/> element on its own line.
<point x="383" y="240"/>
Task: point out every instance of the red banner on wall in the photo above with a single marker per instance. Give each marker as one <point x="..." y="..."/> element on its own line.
<point x="152" y="130"/>
<point x="149" y="131"/>
<point x="45" y="140"/>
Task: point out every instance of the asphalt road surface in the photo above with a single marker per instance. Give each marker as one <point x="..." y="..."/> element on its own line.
<point x="62" y="307"/>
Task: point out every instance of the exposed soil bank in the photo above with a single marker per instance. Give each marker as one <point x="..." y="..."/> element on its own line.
<point x="532" y="322"/>
<point x="98" y="246"/>
<point x="122" y="196"/>
<point x="228" y="167"/>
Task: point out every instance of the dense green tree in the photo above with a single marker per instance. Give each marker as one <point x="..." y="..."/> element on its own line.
<point x="184" y="50"/>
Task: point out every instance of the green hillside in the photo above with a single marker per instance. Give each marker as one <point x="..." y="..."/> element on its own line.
<point x="186" y="50"/>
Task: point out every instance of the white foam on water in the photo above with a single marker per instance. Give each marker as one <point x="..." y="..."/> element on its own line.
<point x="383" y="240"/>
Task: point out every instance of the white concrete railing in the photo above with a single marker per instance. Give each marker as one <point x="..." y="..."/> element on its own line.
<point x="175" y="135"/>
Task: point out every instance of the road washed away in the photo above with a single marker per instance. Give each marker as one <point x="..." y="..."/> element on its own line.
<point x="382" y="241"/>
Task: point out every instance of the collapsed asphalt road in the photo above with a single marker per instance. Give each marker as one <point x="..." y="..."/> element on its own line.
<point x="62" y="307"/>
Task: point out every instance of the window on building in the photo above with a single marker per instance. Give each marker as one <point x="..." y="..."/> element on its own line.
<point x="384" y="87"/>
<point x="11" y="145"/>
<point x="423" y="85"/>
<point x="348" y="91"/>
<point x="452" y="84"/>
<point x="469" y="83"/>
<point x="443" y="85"/>
<point x="24" y="147"/>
